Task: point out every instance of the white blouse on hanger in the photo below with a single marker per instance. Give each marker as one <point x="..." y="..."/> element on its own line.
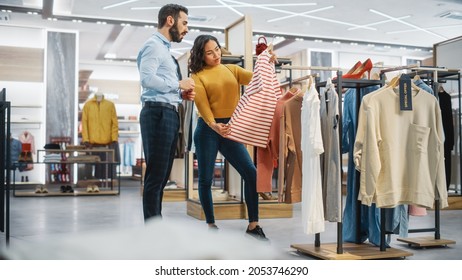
<point x="312" y="148"/>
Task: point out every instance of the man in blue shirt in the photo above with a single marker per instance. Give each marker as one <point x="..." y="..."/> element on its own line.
<point x="162" y="91"/>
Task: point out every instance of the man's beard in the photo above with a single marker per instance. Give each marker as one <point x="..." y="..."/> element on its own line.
<point x="175" y="34"/>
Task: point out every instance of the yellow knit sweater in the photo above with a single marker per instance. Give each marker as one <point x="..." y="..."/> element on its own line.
<point x="218" y="90"/>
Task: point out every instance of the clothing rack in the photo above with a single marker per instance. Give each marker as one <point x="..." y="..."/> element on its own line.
<point x="316" y="68"/>
<point x="433" y="76"/>
<point x="336" y="251"/>
<point x="5" y="165"/>
<point x="298" y="80"/>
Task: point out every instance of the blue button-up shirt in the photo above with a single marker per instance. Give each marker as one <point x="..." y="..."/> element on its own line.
<point x="158" y="71"/>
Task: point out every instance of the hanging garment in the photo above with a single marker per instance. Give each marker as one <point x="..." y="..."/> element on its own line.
<point x="27" y="150"/>
<point x="251" y="121"/>
<point x="129" y="154"/>
<point x="180" y="144"/>
<point x="448" y="128"/>
<point x="27" y="138"/>
<point x="15" y="151"/>
<point x="290" y="148"/>
<point x="421" y="84"/>
<point x="369" y="227"/>
<point x="402" y="152"/>
<point x="330" y="159"/>
<point x="267" y="158"/>
<point x="312" y="148"/>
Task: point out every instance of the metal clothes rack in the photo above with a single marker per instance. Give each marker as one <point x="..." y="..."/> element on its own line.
<point x="339" y="250"/>
<point x="5" y="165"/>
<point x="434" y="76"/>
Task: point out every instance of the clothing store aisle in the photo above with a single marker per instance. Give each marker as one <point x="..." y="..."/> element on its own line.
<point x="116" y="221"/>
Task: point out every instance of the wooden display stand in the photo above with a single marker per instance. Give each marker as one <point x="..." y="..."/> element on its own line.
<point x="426" y="241"/>
<point x="352" y="251"/>
<point x="237" y="210"/>
<point x="455" y="203"/>
<point x="174" y="195"/>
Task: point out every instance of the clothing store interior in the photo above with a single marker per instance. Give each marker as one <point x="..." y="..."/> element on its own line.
<point x="361" y="156"/>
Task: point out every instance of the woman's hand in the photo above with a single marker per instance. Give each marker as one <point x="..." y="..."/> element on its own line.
<point x="188" y="95"/>
<point x="274" y="57"/>
<point x="220" y="128"/>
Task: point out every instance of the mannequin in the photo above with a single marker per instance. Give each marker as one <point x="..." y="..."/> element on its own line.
<point x="100" y="128"/>
<point x="99" y="96"/>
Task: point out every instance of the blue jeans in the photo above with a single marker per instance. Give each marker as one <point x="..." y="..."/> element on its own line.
<point x="208" y="143"/>
<point x="159" y="132"/>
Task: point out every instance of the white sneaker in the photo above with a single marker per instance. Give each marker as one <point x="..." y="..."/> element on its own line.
<point x="89" y="188"/>
<point x="95" y="188"/>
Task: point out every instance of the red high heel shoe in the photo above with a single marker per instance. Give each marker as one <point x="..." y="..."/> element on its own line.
<point x="358" y="73"/>
<point x="352" y="69"/>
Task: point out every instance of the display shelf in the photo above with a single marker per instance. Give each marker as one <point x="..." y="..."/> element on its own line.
<point x="68" y="158"/>
<point x="75" y="193"/>
<point x="128" y="132"/>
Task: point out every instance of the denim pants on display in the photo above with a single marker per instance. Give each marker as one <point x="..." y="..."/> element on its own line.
<point x="159" y="131"/>
<point x="208" y="143"/>
<point x="129" y="154"/>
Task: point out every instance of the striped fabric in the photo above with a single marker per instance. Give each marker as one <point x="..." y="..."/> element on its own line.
<point x="251" y="121"/>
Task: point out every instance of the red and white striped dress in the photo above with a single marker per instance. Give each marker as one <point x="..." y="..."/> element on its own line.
<point x="251" y="121"/>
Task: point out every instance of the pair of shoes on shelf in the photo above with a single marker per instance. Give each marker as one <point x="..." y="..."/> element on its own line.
<point x="266" y="196"/>
<point x="41" y="189"/>
<point x="92" y="188"/>
<point x="67" y="189"/>
<point x="358" y="70"/>
<point x="257" y="233"/>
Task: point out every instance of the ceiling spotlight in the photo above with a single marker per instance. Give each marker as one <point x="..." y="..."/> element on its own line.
<point x="125" y="24"/>
<point x="387" y="47"/>
<point x="77" y="20"/>
<point x="110" y="56"/>
<point x="353" y="43"/>
<point x="418" y="49"/>
<point x="335" y="42"/>
<point x="318" y="41"/>
<point x="371" y="45"/>
<point x="100" y="22"/>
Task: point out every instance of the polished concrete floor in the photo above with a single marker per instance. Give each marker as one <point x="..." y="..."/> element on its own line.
<point x="41" y="220"/>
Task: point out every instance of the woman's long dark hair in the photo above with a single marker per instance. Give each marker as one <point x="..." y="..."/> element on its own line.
<point x="196" y="60"/>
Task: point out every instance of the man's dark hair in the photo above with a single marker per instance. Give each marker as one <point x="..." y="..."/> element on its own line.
<point x="170" y="10"/>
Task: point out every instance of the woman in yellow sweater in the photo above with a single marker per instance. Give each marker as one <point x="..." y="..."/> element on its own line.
<point x="217" y="95"/>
